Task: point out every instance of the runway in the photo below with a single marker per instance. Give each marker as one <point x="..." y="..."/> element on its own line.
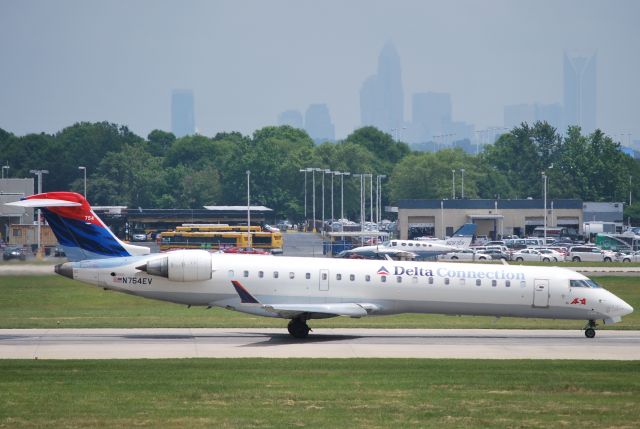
<point x="322" y="343"/>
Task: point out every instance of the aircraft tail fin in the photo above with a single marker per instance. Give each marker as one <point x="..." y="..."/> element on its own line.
<point x="78" y="229"/>
<point x="463" y="237"/>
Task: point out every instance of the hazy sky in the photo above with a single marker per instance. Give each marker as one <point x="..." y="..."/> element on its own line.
<point x="247" y="61"/>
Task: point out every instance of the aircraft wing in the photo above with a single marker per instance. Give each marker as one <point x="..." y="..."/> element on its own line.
<point x="338" y="309"/>
<point x="350" y="309"/>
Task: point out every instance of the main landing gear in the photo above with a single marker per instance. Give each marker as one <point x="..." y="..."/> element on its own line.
<point x="298" y="328"/>
<point x="590" y="329"/>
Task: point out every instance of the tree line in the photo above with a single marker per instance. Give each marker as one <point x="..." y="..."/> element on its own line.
<point x="162" y="171"/>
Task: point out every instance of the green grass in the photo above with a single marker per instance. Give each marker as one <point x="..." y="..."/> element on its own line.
<point x="54" y="301"/>
<point x="318" y="393"/>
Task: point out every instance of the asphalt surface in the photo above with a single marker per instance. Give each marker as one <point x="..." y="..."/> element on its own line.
<point x="322" y="343"/>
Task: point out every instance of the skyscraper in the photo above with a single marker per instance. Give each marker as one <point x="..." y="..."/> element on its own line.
<point x="183" y="121"/>
<point x="381" y="95"/>
<point x="580" y="91"/>
<point x="432" y="111"/>
<point x="317" y="123"/>
<point x="293" y="118"/>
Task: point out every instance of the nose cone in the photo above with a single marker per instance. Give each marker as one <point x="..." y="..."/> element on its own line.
<point x="626" y="308"/>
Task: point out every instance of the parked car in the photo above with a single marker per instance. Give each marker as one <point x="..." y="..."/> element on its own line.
<point x="59" y="252"/>
<point x="628" y="257"/>
<point x="533" y="255"/>
<point x="496" y="253"/>
<point x="14" y="253"/>
<point x="270" y="228"/>
<point x="590" y="254"/>
<point x="139" y="236"/>
<point x="464" y="255"/>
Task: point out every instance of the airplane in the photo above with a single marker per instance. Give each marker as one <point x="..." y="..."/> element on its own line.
<point x="422" y="249"/>
<point x="301" y="289"/>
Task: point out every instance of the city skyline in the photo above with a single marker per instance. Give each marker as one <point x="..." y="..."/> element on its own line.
<point x="68" y="64"/>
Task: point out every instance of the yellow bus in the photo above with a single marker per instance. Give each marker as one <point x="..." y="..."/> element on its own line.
<point x="196" y="238"/>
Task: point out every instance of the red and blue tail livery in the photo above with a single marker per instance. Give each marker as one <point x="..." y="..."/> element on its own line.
<point x="78" y="229"/>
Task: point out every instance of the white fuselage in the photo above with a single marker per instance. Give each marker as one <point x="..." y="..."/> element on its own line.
<point x="390" y="286"/>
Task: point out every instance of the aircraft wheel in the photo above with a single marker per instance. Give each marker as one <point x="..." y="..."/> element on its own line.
<point x="298" y="328"/>
<point x="589" y="332"/>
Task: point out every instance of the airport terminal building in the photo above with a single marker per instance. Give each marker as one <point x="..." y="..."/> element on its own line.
<point x="495" y="218"/>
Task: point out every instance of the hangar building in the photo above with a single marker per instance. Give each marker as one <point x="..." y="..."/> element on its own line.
<point x="495" y="217"/>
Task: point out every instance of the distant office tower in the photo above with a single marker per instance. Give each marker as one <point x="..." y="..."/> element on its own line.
<point x="516" y="114"/>
<point x="431" y="111"/>
<point x="550" y="113"/>
<point x="580" y="91"/>
<point x="293" y="118"/>
<point x="183" y="121"/>
<point x="317" y="123"/>
<point x="381" y="95"/>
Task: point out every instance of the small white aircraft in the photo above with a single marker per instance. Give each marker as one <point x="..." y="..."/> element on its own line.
<point x="301" y="289"/>
<point x="422" y="249"/>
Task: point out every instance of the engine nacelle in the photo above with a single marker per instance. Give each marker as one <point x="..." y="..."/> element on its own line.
<point x="184" y="266"/>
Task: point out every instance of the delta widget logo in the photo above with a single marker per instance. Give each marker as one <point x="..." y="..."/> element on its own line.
<point x="383" y="271"/>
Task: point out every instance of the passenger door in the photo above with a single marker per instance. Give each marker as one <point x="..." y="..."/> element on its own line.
<point x="541" y="293"/>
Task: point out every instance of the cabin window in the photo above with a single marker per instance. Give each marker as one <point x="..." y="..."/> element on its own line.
<point x="398" y="279"/>
<point x="352" y="277"/>
<point x="307" y="276"/>
<point x="261" y="274"/>
<point x="523" y="284"/>
<point x="478" y="282"/>
<point x="275" y="274"/>
<point x="324" y="276"/>
<point x="338" y="276"/>
<point x="230" y="273"/>
<point x="383" y="279"/>
<point x="245" y="274"/>
<point x="367" y="278"/>
<point x="507" y="283"/>
<point x="292" y="276"/>
<point x="446" y="280"/>
<point x="404" y="244"/>
<point x="430" y="280"/>
<point x="410" y="244"/>
<point x="494" y="283"/>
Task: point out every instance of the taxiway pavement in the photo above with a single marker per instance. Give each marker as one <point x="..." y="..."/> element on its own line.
<point x="322" y="343"/>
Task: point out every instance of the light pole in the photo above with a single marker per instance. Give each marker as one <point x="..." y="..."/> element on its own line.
<point x="5" y="167"/>
<point x="379" y="178"/>
<point x="324" y="172"/>
<point x="249" y="208"/>
<point x="333" y="173"/>
<point x="462" y="179"/>
<point x="39" y="173"/>
<point x="544" y="179"/>
<point x="370" y="197"/>
<point x="84" y="170"/>
<point x="361" y="176"/>
<point x="629" y="190"/>
<point x="313" y="177"/>
<point x="305" y="171"/>
<point x="342" y="174"/>
<point x="453" y="184"/>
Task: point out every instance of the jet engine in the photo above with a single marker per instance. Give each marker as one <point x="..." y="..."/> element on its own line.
<point x="185" y="266"/>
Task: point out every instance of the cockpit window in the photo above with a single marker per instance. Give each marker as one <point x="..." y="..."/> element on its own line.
<point x="584" y="283"/>
<point x="593" y="284"/>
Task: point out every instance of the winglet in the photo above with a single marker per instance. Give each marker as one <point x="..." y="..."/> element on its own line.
<point x="245" y="296"/>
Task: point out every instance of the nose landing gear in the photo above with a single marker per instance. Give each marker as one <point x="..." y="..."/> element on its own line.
<point x="298" y="328"/>
<point x="590" y="329"/>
